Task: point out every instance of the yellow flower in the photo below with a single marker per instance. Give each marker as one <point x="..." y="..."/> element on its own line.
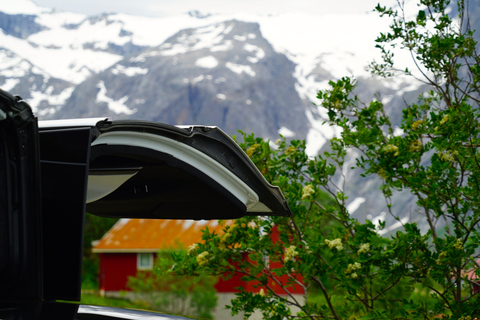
<point x="225" y="237"/>
<point x="337" y="244"/>
<point x="353" y="267"/>
<point x="442" y="255"/>
<point x="417" y="124"/>
<point x="416" y="146"/>
<point x="290" y="149"/>
<point x="382" y="174"/>
<point x="444" y="119"/>
<point x="364" y="248"/>
<point x="202" y="258"/>
<point x="290" y="253"/>
<point x="192" y="248"/>
<point x="459" y="244"/>
<point x="391" y="148"/>
<point x="252" y="149"/>
<point x="307" y="192"/>
<point x="448" y="156"/>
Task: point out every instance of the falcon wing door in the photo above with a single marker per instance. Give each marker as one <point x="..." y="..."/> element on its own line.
<point x="20" y="260"/>
<point x="149" y="170"/>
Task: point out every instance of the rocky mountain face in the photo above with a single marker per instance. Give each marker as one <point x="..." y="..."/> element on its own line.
<point x="238" y="73"/>
<point x="225" y="74"/>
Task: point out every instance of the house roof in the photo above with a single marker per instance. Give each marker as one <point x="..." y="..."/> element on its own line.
<point x="145" y="235"/>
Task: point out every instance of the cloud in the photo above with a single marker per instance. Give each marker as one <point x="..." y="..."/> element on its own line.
<point x="156" y="8"/>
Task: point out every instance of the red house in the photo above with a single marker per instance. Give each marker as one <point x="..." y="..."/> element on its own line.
<point x="132" y="244"/>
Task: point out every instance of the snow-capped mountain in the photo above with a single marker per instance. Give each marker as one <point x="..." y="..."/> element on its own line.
<point x="122" y="66"/>
<point x="255" y="73"/>
<point x="215" y="75"/>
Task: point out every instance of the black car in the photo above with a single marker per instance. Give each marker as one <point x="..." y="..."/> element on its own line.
<point x="53" y="172"/>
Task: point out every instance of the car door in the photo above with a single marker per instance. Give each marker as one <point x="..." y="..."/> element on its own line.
<point x="54" y="172"/>
<point x="20" y="208"/>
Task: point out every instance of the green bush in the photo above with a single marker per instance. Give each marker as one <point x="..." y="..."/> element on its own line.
<point x="358" y="273"/>
<point x="183" y="295"/>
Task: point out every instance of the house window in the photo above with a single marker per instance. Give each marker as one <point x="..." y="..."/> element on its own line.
<point x="144" y="261"/>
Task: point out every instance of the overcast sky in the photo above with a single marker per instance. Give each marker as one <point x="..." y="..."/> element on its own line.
<point x="157" y="8"/>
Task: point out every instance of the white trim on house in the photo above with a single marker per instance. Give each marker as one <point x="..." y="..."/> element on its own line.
<point x="146" y="264"/>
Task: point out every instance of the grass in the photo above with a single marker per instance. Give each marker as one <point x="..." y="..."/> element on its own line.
<point x="94" y="299"/>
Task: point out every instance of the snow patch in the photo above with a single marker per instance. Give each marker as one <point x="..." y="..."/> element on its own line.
<point x="99" y="34"/>
<point x="117" y="106"/>
<point x="207" y="62"/>
<point x="13" y="66"/>
<point x="198" y="79"/>
<point x="355" y="204"/>
<point x="67" y="63"/>
<point x="225" y="46"/>
<point x="239" y="69"/>
<point x="9" y="84"/>
<point x="259" y="53"/>
<point x="130" y="71"/>
<point x="22" y="7"/>
<point x="143" y="56"/>
<point x="208" y="37"/>
<point x="240" y="38"/>
<point x="394" y="226"/>
<point x="54" y="100"/>
<point x="319" y="132"/>
<point x="221" y="96"/>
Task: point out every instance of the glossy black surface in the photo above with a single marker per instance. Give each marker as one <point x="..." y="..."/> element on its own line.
<point x="43" y="190"/>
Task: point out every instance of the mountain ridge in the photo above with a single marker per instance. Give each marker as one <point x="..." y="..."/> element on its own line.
<point x="252" y="73"/>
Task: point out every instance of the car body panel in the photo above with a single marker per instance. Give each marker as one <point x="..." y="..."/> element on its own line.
<point x="108" y="313"/>
<point x="20" y="261"/>
<point x="52" y="172"/>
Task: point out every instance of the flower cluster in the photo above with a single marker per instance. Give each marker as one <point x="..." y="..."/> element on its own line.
<point x="252" y="149"/>
<point x="441" y="256"/>
<point x="225" y="238"/>
<point x="290" y="149"/>
<point x="337" y="244"/>
<point x="202" y="258"/>
<point x="262" y="292"/>
<point x="444" y="119"/>
<point x="192" y="248"/>
<point x="459" y="244"/>
<point x="391" y="148"/>
<point x="416" y="146"/>
<point x="382" y="174"/>
<point x="448" y="156"/>
<point x="290" y="254"/>
<point x="364" y="248"/>
<point x="307" y="192"/>
<point x="417" y="124"/>
<point x="352" y="268"/>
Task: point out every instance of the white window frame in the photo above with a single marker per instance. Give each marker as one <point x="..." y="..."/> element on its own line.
<point x="141" y="266"/>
